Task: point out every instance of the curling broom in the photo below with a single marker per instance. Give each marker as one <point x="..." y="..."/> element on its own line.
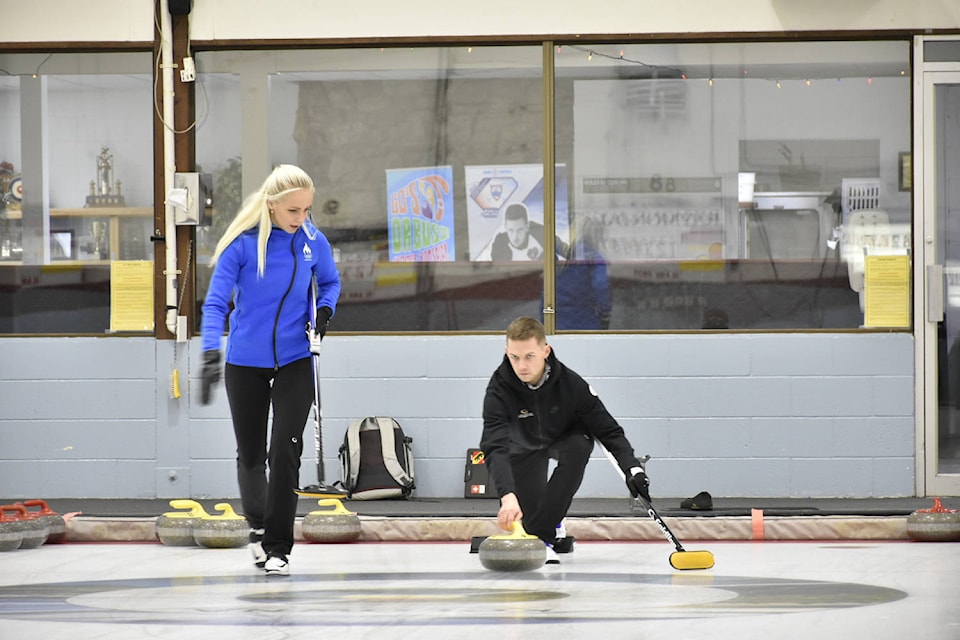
<point x="681" y="558"/>
<point x="321" y="489"/>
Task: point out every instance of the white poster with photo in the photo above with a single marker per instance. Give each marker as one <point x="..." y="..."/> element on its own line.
<point x="492" y="190"/>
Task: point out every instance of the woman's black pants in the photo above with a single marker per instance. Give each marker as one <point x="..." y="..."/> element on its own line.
<point x="270" y="500"/>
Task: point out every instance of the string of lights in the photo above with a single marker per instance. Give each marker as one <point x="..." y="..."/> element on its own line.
<point x="674" y="71"/>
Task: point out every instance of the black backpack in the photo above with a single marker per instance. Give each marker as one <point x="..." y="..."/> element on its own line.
<point x="377" y="460"/>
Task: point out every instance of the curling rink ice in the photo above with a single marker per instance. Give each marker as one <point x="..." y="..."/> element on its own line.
<point x="604" y="590"/>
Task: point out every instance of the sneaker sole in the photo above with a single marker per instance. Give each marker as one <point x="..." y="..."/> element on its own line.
<point x="278" y="572"/>
<point x="259" y="556"/>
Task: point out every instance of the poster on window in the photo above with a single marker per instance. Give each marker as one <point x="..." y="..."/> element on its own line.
<point x="420" y="214"/>
<point x="505" y="211"/>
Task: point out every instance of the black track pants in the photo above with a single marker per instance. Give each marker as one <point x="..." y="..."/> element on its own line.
<point x="270" y="504"/>
<point x="545" y="502"/>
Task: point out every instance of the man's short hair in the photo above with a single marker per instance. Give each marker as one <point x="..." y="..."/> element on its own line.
<point x="516" y="211"/>
<point x="524" y="328"/>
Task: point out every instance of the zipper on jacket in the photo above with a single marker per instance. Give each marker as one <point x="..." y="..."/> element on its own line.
<point x="536" y="407"/>
<point x="276" y="320"/>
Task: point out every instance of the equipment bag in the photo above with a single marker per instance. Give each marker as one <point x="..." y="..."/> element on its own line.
<point x="476" y="479"/>
<point x="376" y="458"/>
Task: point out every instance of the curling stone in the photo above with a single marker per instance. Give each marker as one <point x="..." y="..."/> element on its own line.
<point x="335" y="525"/>
<point x="11" y="531"/>
<point x="175" y="528"/>
<point x="934" y="525"/>
<point x="34" y="533"/>
<point x="53" y="521"/>
<point x="516" y="551"/>
<point x="225" y="531"/>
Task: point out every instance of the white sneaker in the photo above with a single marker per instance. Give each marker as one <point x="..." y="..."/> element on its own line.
<point x="277" y="566"/>
<point x="561" y="530"/>
<point x="552" y="557"/>
<point x="256" y="547"/>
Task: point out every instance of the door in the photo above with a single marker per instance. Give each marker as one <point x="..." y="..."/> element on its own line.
<point x="938" y="197"/>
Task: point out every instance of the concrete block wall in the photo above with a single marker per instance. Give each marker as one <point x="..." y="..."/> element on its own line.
<point x="739" y="415"/>
<point x="78" y="417"/>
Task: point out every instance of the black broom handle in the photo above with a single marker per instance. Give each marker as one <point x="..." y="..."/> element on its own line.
<point x="664" y="529"/>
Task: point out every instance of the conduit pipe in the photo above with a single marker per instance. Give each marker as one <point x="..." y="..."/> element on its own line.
<point x="169" y="164"/>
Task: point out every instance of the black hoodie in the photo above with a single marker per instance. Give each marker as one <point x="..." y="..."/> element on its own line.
<point x="518" y="419"/>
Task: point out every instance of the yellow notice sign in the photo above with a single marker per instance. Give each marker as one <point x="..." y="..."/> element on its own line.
<point x="131" y="295"/>
<point x="886" y="300"/>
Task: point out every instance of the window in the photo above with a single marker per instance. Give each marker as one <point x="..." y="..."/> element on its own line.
<point x="76" y="180"/>
<point x="697" y="185"/>
<point x="719" y="184"/>
<point x="415" y="154"/>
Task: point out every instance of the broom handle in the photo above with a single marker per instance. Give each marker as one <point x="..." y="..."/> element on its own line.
<point x="664" y="529"/>
<point x="317" y="420"/>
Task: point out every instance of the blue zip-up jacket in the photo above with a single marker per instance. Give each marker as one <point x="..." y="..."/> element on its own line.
<point x="267" y="324"/>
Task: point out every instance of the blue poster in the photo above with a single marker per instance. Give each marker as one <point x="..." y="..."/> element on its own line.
<point x="420" y="214"/>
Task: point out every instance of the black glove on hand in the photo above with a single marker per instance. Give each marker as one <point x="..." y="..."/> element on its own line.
<point x="209" y="375"/>
<point x="639" y="485"/>
<point x="322" y="319"/>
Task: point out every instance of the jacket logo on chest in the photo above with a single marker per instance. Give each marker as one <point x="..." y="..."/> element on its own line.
<point x="525" y="414"/>
<point x="307" y="253"/>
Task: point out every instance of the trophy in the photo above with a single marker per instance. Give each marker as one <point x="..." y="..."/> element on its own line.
<point x="105" y="191"/>
<point x="11" y="188"/>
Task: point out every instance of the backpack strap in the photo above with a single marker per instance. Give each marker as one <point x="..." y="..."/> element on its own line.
<point x="389" y="447"/>
<point x="353" y="452"/>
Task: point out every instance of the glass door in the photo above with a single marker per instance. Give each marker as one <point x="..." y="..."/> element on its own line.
<point x="940" y="197"/>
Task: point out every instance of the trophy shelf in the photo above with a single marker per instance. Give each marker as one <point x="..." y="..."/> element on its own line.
<point x="113" y="215"/>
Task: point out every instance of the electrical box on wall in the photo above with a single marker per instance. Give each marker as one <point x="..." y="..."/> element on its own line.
<point x="189" y="199"/>
<point x="180" y="7"/>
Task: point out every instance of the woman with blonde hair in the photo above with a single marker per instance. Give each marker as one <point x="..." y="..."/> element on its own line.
<point x="266" y="263"/>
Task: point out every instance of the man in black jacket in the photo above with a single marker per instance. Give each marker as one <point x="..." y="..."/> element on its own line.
<point x="535" y="409"/>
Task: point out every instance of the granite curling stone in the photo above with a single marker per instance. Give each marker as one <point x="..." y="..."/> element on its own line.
<point x="516" y="551"/>
<point x="175" y="528"/>
<point x="224" y="531"/>
<point x="11" y="532"/>
<point x="34" y="533"/>
<point x="934" y="525"/>
<point x="336" y="525"/>
<point x="53" y="521"/>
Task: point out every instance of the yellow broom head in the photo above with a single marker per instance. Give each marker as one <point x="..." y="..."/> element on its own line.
<point x="691" y="560"/>
<point x="175" y="384"/>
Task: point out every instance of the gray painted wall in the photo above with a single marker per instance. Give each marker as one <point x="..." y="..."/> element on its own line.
<point x="739" y="415"/>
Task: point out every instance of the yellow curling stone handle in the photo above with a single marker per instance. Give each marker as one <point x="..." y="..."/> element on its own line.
<point x="337" y="507"/>
<point x="227" y="512"/>
<point x="518" y="533"/>
<point x="196" y="510"/>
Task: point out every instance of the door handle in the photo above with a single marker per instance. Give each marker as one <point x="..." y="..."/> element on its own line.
<point x="935" y="293"/>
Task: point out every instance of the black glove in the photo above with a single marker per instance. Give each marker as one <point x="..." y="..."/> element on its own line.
<point x="322" y="320"/>
<point x="639" y="484"/>
<point x="209" y="375"/>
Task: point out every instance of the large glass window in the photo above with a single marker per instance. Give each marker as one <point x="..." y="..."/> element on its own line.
<point x="416" y="154"/>
<point x="730" y="185"/>
<point x="76" y="189"/>
<point x="698" y="186"/>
